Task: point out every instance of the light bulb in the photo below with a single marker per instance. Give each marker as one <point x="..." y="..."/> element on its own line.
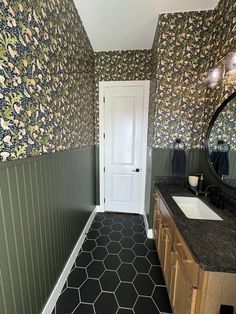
<point x="230" y="63"/>
<point x="215" y="76"/>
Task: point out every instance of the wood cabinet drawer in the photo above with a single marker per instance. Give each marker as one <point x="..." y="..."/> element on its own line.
<point x="167" y="218"/>
<point x="190" y="265"/>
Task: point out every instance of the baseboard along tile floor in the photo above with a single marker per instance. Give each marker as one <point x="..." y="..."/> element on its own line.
<point x="117" y="271"/>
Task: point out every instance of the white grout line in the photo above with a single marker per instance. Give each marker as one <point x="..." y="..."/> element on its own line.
<point x="82" y="238"/>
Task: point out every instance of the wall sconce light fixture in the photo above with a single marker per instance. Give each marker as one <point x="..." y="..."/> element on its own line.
<point x="216" y="75"/>
<point x="230" y="63"/>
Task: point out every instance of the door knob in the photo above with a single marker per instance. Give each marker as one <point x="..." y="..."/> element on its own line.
<point x="136" y="170"/>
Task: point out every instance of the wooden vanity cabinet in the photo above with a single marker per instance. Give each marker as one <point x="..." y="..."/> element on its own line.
<point x="184" y="281"/>
<point x="163" y="229"/>
<point x="157" y="223"/>
<point x="167" y="244"/>
<point x="191" y="290"/>
<point x="173" y="256"/>
<point x="191" y="267"/>
<point x="182" y="293"/>
<point x="176" y="261"/>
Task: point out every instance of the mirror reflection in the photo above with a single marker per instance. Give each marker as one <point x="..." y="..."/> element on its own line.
<point x="222" y="143"/>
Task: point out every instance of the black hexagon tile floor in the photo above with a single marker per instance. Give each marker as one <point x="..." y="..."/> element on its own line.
<point x="117" y="271"/>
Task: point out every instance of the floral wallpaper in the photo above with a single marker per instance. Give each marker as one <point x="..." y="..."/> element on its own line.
<point x="224" y="127"/>
<point x="119" y="66"/>
<point x="222" y="39"/>
<point x="46" y="79"/>
<point x="185" y="46"/>
<point x="177" y="93"/>
<point x="48" y="71"/>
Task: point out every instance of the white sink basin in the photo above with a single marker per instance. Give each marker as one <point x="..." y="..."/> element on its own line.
<point x="194" y="208"/>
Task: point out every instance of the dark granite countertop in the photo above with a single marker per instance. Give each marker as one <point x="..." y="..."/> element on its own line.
<point x="213" y="243"/>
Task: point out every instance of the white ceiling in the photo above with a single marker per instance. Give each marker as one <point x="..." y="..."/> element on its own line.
<point x="129" y="24"/>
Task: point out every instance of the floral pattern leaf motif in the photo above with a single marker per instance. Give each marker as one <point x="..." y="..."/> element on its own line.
<point x="119" y="66"/>
<point x="47" y="61"/>
<point x="224" y="127"/>
<point x="46" y="79"/>
<point x="185" y="46"/>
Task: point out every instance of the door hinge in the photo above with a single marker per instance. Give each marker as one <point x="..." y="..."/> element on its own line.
<point x="104" y="169"/>
<point x="104" y="200"/>
<point x="104" y="99"/>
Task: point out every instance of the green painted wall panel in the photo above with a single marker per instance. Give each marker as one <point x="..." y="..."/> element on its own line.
<point x="45" y="202"/>
<point x="196" y="163"/>
<point x="161" y="162"/>
<point x="3" y="305"/>
<point x="10" y="238"/>
<point x="210" y="177"/>
<point x="5" y="270"/>
<point x="34" y="230"/>
<point x="18" y="237"/>
<point x="26" y="235"/>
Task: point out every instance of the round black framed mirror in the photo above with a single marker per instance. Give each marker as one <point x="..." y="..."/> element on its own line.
<point x="220" y="144"/>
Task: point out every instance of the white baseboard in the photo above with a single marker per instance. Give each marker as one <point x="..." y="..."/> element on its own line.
<point x="150" y="234"/>
<point x="99" y="209"/>
<point x="48" y="308"/>
<point x="149" y="231"/>
<point x="145" y="222"/>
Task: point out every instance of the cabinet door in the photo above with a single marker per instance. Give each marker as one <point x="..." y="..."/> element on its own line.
<point x="167" y="259"/>
<point x="154" y="227"/>
<point x="182" y="294"/>
<point x="163" y="243"/>
<point x="166" y="247"/>
<point x="157" y="228"/>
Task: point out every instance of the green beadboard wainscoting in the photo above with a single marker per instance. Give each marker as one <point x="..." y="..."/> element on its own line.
<point x="159" y="164"/>
<point x="210" y="177"/>
<point x="45" y="202"/>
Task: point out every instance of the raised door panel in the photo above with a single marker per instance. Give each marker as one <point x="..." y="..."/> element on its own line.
<point x="157" y="223"/>
<point x="167" y="263"/>
<point x="171" y="288"/>
<point x="154" y="223"/>
<point x="167" y="216"/>
<point x="192" y="268"/>
<point x="183" y="295"/>
<point x="158" y="230"/>
<point x="123" y="131"/>
<point x="124" y="127"/>
<point x="165" y="252"/>
<point x="125" y="194"/>
<point x="162" y="250"/>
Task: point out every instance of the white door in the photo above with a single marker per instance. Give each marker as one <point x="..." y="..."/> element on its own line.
<point x="125" y="128"/>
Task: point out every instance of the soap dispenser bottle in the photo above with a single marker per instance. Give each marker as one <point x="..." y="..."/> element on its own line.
<point x="201" y="183"/>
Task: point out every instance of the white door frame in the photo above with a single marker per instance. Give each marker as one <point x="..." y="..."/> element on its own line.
<point x="102" y="85"/>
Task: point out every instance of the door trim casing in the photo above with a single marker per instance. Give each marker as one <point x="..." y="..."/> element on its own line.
<point x="102" y="85"/>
